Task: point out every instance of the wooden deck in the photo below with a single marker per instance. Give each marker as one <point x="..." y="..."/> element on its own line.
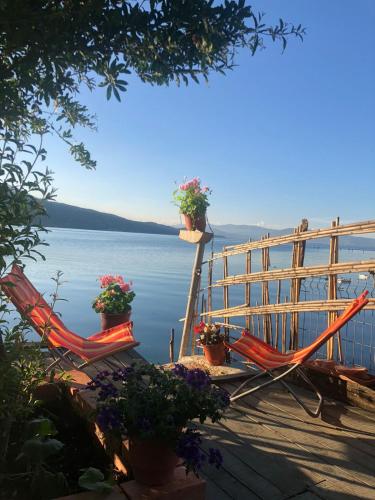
<point x="273" y="450"/>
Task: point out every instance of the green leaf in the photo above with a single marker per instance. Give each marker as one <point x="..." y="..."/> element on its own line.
<point x="93" y="480"/>
<point x="41" y="427"/>
<point x="37" y="450"/>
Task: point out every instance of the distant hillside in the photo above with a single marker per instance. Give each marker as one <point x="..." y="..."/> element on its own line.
<point x="69" y="216"/>
<point x="243" y="233"/>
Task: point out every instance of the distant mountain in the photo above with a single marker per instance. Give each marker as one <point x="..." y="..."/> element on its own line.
<point x="242" y="233"/>
<point x="69" y="216"/>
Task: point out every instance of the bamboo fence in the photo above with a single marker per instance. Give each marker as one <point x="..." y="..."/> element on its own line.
<point x="278" y="321"/>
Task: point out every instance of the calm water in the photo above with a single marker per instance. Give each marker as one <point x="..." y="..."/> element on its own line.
<point x="160" y="268"/>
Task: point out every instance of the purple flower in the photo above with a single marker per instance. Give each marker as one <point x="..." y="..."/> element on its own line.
<point x="188" y="448"/>
<point x="122" y="373"/>
<point x="215" y="457"/>
<point x="223" y="397"/>
<point x="107" y="391"/>
<point x="108" y="418"/>
<point x="198" y="379"/>
<point x="144" y="424"/>
<point x="102" y="375"/>
<point x="180" y="370"/>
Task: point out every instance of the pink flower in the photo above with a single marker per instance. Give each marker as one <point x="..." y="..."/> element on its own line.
<point x="205" y="189"/>
<point x="125" y="287"/>
<point x="108" y="279"/>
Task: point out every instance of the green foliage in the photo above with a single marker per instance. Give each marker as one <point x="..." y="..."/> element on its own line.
<point x="113" y="300"/>
<point x="92" y="479"/>
<point x="21" y="371"/>
<point x="49" y="50"/>
<point x="209" y="334"/>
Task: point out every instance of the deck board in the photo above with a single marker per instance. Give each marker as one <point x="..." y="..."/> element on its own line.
<point x="273" y="450"/>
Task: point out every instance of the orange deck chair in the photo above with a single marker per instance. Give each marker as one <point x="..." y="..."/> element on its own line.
<point x="61" y="341"/>
<point x="269" y="359"/>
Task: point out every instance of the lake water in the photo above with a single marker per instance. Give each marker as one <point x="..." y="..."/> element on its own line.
<point x="159" y="267"/>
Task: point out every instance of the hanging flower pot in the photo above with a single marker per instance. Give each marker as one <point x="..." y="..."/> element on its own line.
<point x="192" y="224"/>
<point x="152" y="461"/>
<point x="215" y="354"/>
<point x="109" y="320"/>
<point x="192" y="198"/>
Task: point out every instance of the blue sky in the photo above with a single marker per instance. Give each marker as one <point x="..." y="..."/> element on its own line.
<point x="283" y="136"/>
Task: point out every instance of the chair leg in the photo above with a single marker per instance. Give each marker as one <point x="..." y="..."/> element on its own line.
<point x="274" y="379"/>
<point x="313" y="413"/>
<point x="247" y="381"/>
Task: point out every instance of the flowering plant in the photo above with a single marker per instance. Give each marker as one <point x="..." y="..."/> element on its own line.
<point x="145" y="402"/>
<point x="116" y="297"/>
<point x="209" y="334"/>
<point x="191" y="198"/>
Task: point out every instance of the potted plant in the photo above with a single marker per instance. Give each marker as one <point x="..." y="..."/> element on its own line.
<point x="113" y="303"/>
<point x="192" y="200"/>
<point x="212" y="342"/>
<point x="155" y="408"/>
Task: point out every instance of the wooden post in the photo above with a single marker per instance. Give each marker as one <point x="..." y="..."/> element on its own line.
<point x="171" y="346"/>
<point x="248" y="289"/>
<point x="200" y="239"/>
<point x="295" y="288"/>
<point x="332" y="290"/>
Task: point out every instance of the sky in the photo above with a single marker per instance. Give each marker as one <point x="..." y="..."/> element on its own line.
<point x="281" y="137"/>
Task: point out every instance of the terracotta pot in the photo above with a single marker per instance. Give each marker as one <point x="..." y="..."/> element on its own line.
<point x="152" y="461"/>
<point x="47" y="392"/>
<point x="191" y="224"/>
<point x="110" y="320"/>
<point x="215" y="354"/>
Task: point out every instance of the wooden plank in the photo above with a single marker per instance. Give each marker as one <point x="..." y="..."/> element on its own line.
<point x="226" y="482"/>
<point x="195" y="236"/>
<point x="337" y="419"/>
<point x="271" y="457"/>
<point x="333" y="449"/>
<point x="311" y="456"/>
<point x="307" y="495"/>
<point x="239" y="463"/>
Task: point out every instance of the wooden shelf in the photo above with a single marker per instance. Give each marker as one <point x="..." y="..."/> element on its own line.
<point x="195" y="236"/>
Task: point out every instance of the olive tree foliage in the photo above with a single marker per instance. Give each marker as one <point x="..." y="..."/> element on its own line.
<point x="51" y="49"/>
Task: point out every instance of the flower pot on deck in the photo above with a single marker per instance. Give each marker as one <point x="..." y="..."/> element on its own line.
<point x="152" y="461"/>
<point x="198" y="223"/>
<point x="215" y="354"/>
<point x="109" y="320"/>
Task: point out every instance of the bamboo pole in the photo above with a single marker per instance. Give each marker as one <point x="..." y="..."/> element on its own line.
<point x="209" y="286"/>
<point x="301" y="272"/>
<point x="297" y="261"/>
<point x="348" y="229"/>
<point x="278" y="291"/>
<point x="283" y="329"/>
<point x="248" y="288"/>
<point x="226" y="305"/>
<point x="305" y="306"/>
<point x="332" y="287"/>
